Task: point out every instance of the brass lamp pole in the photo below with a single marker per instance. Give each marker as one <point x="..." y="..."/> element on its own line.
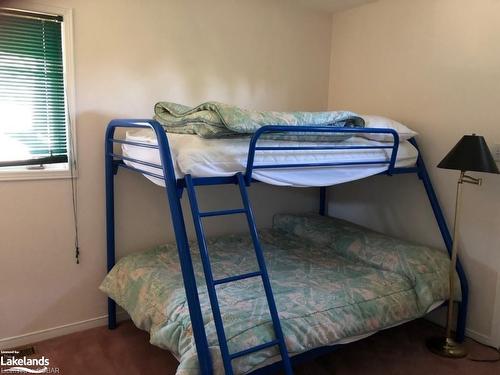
<point x="470" y="154"/>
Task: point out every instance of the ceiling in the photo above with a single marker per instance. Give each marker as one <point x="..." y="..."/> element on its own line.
<point x="331" y="5"/>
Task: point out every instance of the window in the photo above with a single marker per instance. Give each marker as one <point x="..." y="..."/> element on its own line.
<point x="35" y="135"/>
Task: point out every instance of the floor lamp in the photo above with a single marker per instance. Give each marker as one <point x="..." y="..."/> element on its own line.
<point x="470" y="154"/>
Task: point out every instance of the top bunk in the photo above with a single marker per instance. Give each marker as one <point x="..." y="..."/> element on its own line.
<point x="273" y="154"/>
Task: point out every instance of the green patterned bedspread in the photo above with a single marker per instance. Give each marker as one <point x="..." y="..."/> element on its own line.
<point x="331" y="280"/>
<point x="216" y="120"/>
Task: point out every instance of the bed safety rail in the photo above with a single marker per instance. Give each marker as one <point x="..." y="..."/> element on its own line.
<point x="319" y="129"/>
<point x="174" y="188"/>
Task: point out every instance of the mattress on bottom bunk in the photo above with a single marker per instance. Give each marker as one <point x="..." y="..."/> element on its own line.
<point x="202" y="157"/>
<point x="332" y="281"/>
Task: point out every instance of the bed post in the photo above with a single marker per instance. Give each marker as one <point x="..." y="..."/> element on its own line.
<point x="445" y="233"/>
<point x="322" y="201"/>
<point x="110" y="217"/>
<point x="173" y="197"/>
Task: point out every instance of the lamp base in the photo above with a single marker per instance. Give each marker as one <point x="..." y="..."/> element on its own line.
<point x="446" y="347"/>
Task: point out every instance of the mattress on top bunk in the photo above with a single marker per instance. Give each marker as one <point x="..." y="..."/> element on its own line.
<point x="333" y="282"/>
<point x="202" y="157"/>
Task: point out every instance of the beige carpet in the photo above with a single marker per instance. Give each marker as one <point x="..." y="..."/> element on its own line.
<point x="400" y="350"/>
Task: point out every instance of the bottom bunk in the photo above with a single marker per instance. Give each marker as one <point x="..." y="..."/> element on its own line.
<point x="334" y="282"/>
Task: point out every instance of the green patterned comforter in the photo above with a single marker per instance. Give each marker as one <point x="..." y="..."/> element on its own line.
<point x="216" y="120"/>
<point x="331" y="280"/>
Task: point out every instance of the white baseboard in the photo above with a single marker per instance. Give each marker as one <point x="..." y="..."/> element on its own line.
<point x="45" y="334"/>
<point x="440" y="320"/>
<point x="479" y="337"/>
<point x="33" y="337"/>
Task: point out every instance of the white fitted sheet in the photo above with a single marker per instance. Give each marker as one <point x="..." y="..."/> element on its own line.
<point x="202" y="157"/>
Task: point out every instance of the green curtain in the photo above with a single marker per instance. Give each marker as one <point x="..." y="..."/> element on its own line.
<point x="33" y="114"/>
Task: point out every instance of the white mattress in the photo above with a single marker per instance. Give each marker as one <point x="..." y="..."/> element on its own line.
<point x="224" y="157"/>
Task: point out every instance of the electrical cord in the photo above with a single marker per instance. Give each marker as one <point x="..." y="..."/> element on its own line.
<point x="74" y="185"/>
<point x="74" y="199"/>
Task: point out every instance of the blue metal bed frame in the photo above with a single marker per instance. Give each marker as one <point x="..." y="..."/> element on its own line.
<point x="174" y="190"/>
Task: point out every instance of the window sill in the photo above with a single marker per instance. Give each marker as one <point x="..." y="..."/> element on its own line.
<point x="50" y="172"/>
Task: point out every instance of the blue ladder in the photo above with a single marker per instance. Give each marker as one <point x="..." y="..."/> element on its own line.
<point x="211" y="283"/>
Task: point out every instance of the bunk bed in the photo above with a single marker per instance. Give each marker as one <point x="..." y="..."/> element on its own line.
<point x="150" y="152"/>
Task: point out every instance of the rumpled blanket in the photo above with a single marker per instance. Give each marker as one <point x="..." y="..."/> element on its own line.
<point x="217" y="120"/>
<point x="332" y="280"/>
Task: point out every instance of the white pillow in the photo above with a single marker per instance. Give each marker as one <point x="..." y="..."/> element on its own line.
<point x="404" y="132"/>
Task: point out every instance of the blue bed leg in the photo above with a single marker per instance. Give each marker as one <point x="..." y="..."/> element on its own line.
<point x="111" y="314"/>
<point x="110" y="220"/>
<point x="173" y="197"/>
<point x="445" y="233"/>
<point x="186" y="263"/>
<point x="322" y="201"/>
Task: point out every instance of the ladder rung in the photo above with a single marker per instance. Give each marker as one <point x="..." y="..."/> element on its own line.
<point x="223" y="212"/>
<point x="254" y="349"/>
<point x="237" y="277"/>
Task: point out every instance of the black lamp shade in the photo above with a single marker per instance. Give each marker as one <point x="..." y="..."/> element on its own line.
<point x="471" y="153"/>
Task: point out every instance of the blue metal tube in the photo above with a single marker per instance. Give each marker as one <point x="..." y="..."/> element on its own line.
<point x="265" y="277"/>
<point x="142" y="162"/>
<point x="322" y="201"/>
<point x="110" y="217"/>
<point x="394" y="154"/>
<point x="311" y="148"/>
<point x="255" y="349"/>
<point x="229" y="180"/>
<point x="189" y="279"/>
<point x="207" y="181"/>
<point x="204" y="358"/>
<point x="209" y="278"/>
<point x="309" y="165"/>
<point x="448" y="241"/>
<point x="402" y="170"/>
<point x="132" y="143"/>
<point x="316" y="129"/>
<point x="221" y="212"/>
<point x="147" y="173"/>
<point x="237" y="278"/>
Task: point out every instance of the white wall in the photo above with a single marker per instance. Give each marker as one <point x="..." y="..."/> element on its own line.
<point x="434" y="65"/>
<point x="128" y="55"/>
